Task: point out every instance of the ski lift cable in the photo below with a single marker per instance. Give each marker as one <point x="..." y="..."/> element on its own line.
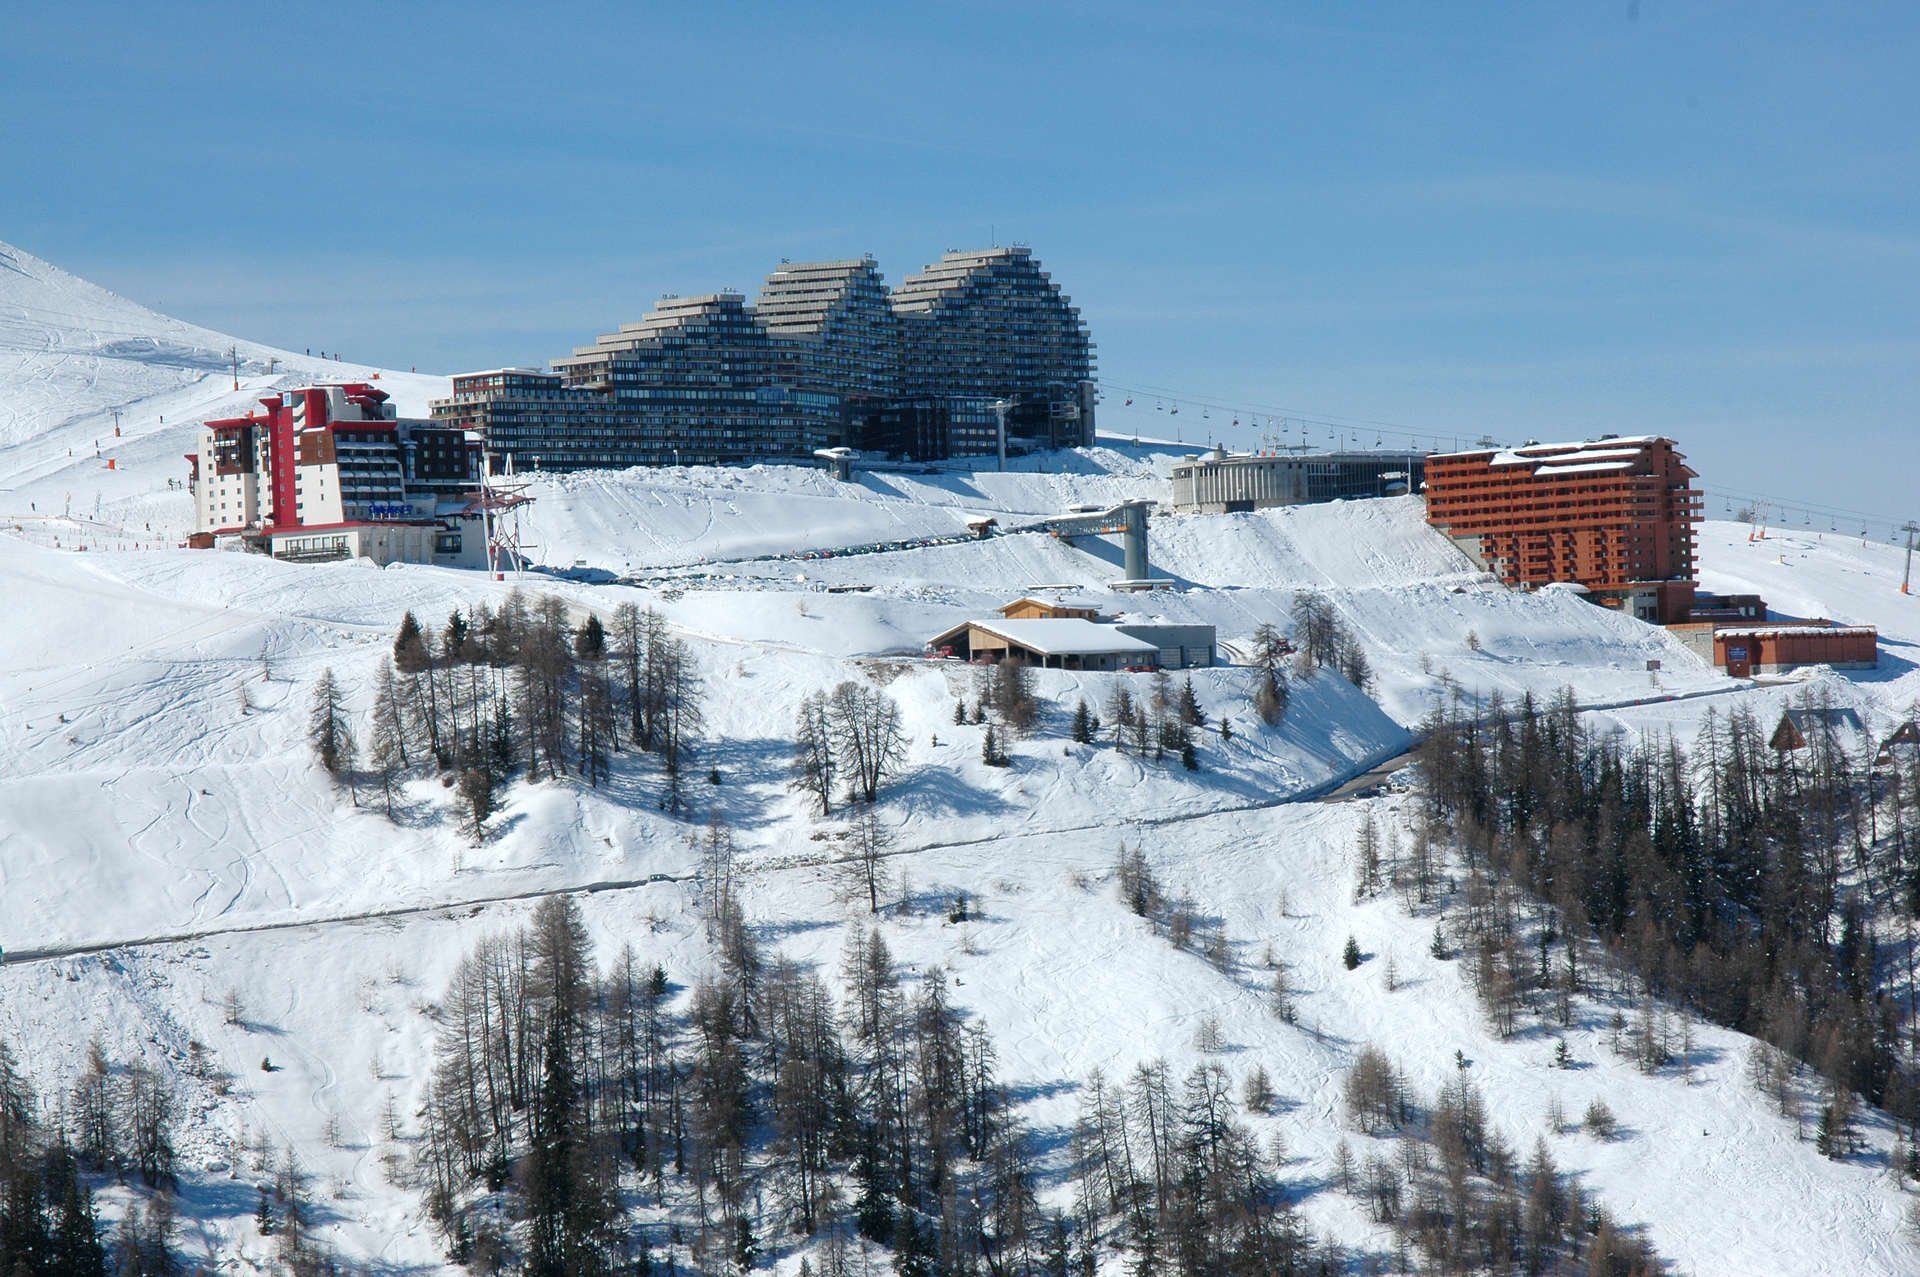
<point x="1330" y="423"/>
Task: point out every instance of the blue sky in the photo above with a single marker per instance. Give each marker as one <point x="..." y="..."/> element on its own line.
<point x="1526" y="220"/>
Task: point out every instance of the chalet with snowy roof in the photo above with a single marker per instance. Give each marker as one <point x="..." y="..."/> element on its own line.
<point x="1902" y="744"/>
<point x="1071" y="634"/>
<point x="1066" y="607"/>
<point x="1066" y="643"/>
<point x="1798" y="728"/>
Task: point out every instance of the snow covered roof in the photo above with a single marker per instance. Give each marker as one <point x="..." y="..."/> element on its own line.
<point x="1614" y="448"/>
<point x="1546" y="454"/>
<point x="1066" y="636"/>
<point x="1784" y="631"/>
<point x="1837" y="719"/>
<point x="1079" y="601"/>
<point x="1060" y="636"/>
<point x="1585" y="467"/>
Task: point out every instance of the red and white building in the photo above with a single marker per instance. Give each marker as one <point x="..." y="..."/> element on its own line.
<point x="330" y="472"/>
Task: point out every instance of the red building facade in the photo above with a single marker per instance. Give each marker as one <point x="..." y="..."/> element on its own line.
<point x="1614" y="514"/>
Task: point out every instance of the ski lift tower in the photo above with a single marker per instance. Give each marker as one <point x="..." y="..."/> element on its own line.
<point x="501" y="500"/>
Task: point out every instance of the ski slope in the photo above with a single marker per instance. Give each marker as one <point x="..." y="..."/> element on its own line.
<point x="73" y="353"/>
<point x="154" y="782"/>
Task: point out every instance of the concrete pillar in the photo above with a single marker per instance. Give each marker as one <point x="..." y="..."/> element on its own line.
<point x="1134" y="539"/>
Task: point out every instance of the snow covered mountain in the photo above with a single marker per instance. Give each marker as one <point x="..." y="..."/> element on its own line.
<point x="170" y="851"/>
<point x="73" y="354"/>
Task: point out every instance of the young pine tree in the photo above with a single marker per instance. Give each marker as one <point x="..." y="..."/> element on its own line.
<point x="476" y="799"/>
<point x="1082" y="723"/>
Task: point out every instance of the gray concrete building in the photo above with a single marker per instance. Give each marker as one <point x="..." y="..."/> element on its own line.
<point x="825" y="356"/>
<point x="1219" y="483"/>
<point x="993" y="325"/>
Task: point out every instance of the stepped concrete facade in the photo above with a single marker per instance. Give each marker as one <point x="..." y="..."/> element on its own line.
<point x="825" y="356"/>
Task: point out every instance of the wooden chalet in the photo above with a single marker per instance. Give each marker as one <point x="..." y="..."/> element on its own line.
<point x="1798" y="727"/>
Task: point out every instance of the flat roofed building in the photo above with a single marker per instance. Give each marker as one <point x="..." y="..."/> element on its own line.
<point x="927" y="427"/>
<point x="1219" y="483"/>
<point x="1180" y="647"/>
<point x="1745" y="650"/>
<point x="1613" y="514"/>
<point x="536" y="419"/>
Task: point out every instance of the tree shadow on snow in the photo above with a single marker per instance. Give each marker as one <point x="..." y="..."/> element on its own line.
<point x="778" y="931"/>
<point x="938" y="791"/>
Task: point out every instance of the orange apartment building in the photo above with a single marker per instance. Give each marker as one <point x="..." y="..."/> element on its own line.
<point x="1612" y="514"/>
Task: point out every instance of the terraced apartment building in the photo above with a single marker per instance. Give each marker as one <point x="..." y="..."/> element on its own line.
<point x="825" y="356"/>
<point x="1613" y="515"/>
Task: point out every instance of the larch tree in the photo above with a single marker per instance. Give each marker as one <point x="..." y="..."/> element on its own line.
<point x="868" y="737"/>
<point x="682" y="713"/>
<point x="813" y="750"/>
<point x="868" y="867"/>
<point x="386" y="733"/>
<point x="330" y="732"/>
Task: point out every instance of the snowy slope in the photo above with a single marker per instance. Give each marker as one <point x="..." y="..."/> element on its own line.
<point x="72" y="352"/>
<point x="1805" y="574"/>
<point x="139" y="799"/>
<point x="639" y="518"/>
